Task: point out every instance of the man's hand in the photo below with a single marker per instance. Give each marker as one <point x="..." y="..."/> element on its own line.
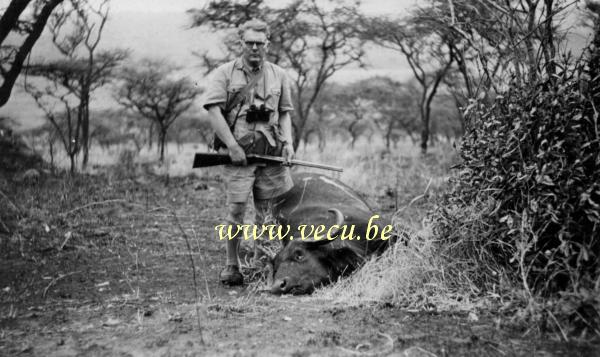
<point x="237" y="155"/>
<point x="288" y="152"/>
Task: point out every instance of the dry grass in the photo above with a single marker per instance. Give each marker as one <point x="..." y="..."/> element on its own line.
<point x="409" y="275"/>
<point x="370" y="169"/>
<point x="178" y="160"/>
<point x="401" y="180"/>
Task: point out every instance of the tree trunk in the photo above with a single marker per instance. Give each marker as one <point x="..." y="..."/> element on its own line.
<point x="72" y="159"/>
<point x="85" y="124"/>
<point x="424" y="130"/>
<point x="322" y="141"/>
<point x="548" y="41"/>
<point x="51" y="149"/>
<point x="150" y="136"/>
<point x="529" y="42"/>
<point x="387" y="141"/>
<point x="427" y="98"/>
<point x="11" y="17"/>
<point x="353" y="134"/>
<point x="388" y="136"/>
<point x="162" y="138"/>
<point x="297" y="129"/>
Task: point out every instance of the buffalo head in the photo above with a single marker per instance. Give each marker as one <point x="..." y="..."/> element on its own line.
<point x="303" y="265"/>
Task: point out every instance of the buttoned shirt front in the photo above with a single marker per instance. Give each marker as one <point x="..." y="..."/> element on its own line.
<point x="272" y="89"/>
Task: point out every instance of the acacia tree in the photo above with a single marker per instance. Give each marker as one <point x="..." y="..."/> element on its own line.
<point x="319" y="125"/>
<point x="60" y="108"/>
<point x="86" y="20"/>
<point x="495" y="41"/>
<point x="352" y="109"/>
<point x="394" y="106"/>
<point x="427" y="52"/>
<point x="62" y="88"/>
<point x="118" y="127"/>
<point x="323" y="117"/>
<point x="29" y="27"/>
<point x="312" y="41"/>
<point x="49" y="136"/>
<point x="191" y="128"/>
<point x="150" y="90"/>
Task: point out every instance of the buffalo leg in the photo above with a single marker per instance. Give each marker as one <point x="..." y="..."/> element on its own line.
<point x="263" y="211"/>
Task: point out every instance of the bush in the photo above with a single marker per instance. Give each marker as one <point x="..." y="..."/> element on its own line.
<point x="15" y="156"/>
<point x="531" y="172"/>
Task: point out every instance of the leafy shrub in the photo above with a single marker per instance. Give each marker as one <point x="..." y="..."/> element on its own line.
<point x="526" y="202"/>
<point x="15" y="155"/>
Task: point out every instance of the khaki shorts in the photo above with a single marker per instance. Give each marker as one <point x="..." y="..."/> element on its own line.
<point x="265" y="182"/>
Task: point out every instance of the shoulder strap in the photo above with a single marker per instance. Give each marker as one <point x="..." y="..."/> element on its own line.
<point x="239" y="98"/>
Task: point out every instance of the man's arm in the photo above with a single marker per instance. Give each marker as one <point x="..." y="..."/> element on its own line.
<point x="219" y="125"/>
<point x="285" y="119"/>
<point x="285" y="123"/>
<point x="215" y="99"/>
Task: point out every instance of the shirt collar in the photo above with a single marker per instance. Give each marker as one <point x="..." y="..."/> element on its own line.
<point x="241" y="64"/>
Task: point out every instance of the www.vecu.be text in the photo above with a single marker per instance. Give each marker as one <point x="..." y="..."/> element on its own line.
<point x="305" y="231"/>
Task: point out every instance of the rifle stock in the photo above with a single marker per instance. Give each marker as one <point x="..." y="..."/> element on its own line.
<point x="215" y="159"/>
<point x="207" y="159"/>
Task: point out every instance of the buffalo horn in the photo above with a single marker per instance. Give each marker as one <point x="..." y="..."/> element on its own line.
<point x="339" y="221"/>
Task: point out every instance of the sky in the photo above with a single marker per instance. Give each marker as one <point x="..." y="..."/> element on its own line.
<point x="370" y="6"/>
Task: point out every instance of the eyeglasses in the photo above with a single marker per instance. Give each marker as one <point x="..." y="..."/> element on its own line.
<point x="251" y="44"/>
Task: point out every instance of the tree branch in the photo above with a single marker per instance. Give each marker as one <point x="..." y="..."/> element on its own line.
<point x="11" y="75"/>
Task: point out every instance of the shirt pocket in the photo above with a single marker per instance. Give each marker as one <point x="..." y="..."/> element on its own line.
<point x="273" y="99"/>
<point x="233" y="92"/>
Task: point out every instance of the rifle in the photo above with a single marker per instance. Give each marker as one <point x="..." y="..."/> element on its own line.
<point x="213" y="159"/>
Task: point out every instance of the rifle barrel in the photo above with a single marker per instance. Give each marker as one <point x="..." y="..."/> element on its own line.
<point x="319" y="166"/>
<point x="297" y="162"/>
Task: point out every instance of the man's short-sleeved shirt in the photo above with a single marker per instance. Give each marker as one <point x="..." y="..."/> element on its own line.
<point x="272" y="89"/>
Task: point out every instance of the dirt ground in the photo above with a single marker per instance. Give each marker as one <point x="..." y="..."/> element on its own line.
<point x="101" y="266"/>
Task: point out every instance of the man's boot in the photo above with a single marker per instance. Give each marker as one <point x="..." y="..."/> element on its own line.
<point x="231" y="276"/>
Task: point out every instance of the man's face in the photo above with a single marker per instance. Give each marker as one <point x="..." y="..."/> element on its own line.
<point x="254" y="47"/>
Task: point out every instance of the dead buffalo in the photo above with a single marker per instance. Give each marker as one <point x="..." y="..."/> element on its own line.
<point x="316" y="200"/>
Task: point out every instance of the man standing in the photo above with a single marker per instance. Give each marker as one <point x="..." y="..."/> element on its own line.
<point x="249" y="103"/>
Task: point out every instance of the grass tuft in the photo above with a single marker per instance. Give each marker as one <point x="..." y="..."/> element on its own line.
<point x="408" y="275"/>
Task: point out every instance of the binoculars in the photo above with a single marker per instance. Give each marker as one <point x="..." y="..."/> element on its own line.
<point x="258" y="114"/>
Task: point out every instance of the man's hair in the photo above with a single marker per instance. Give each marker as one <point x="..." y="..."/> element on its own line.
<point x="255" y="25"/>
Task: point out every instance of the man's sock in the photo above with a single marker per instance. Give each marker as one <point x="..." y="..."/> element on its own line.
<point x="232" y="248"/>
